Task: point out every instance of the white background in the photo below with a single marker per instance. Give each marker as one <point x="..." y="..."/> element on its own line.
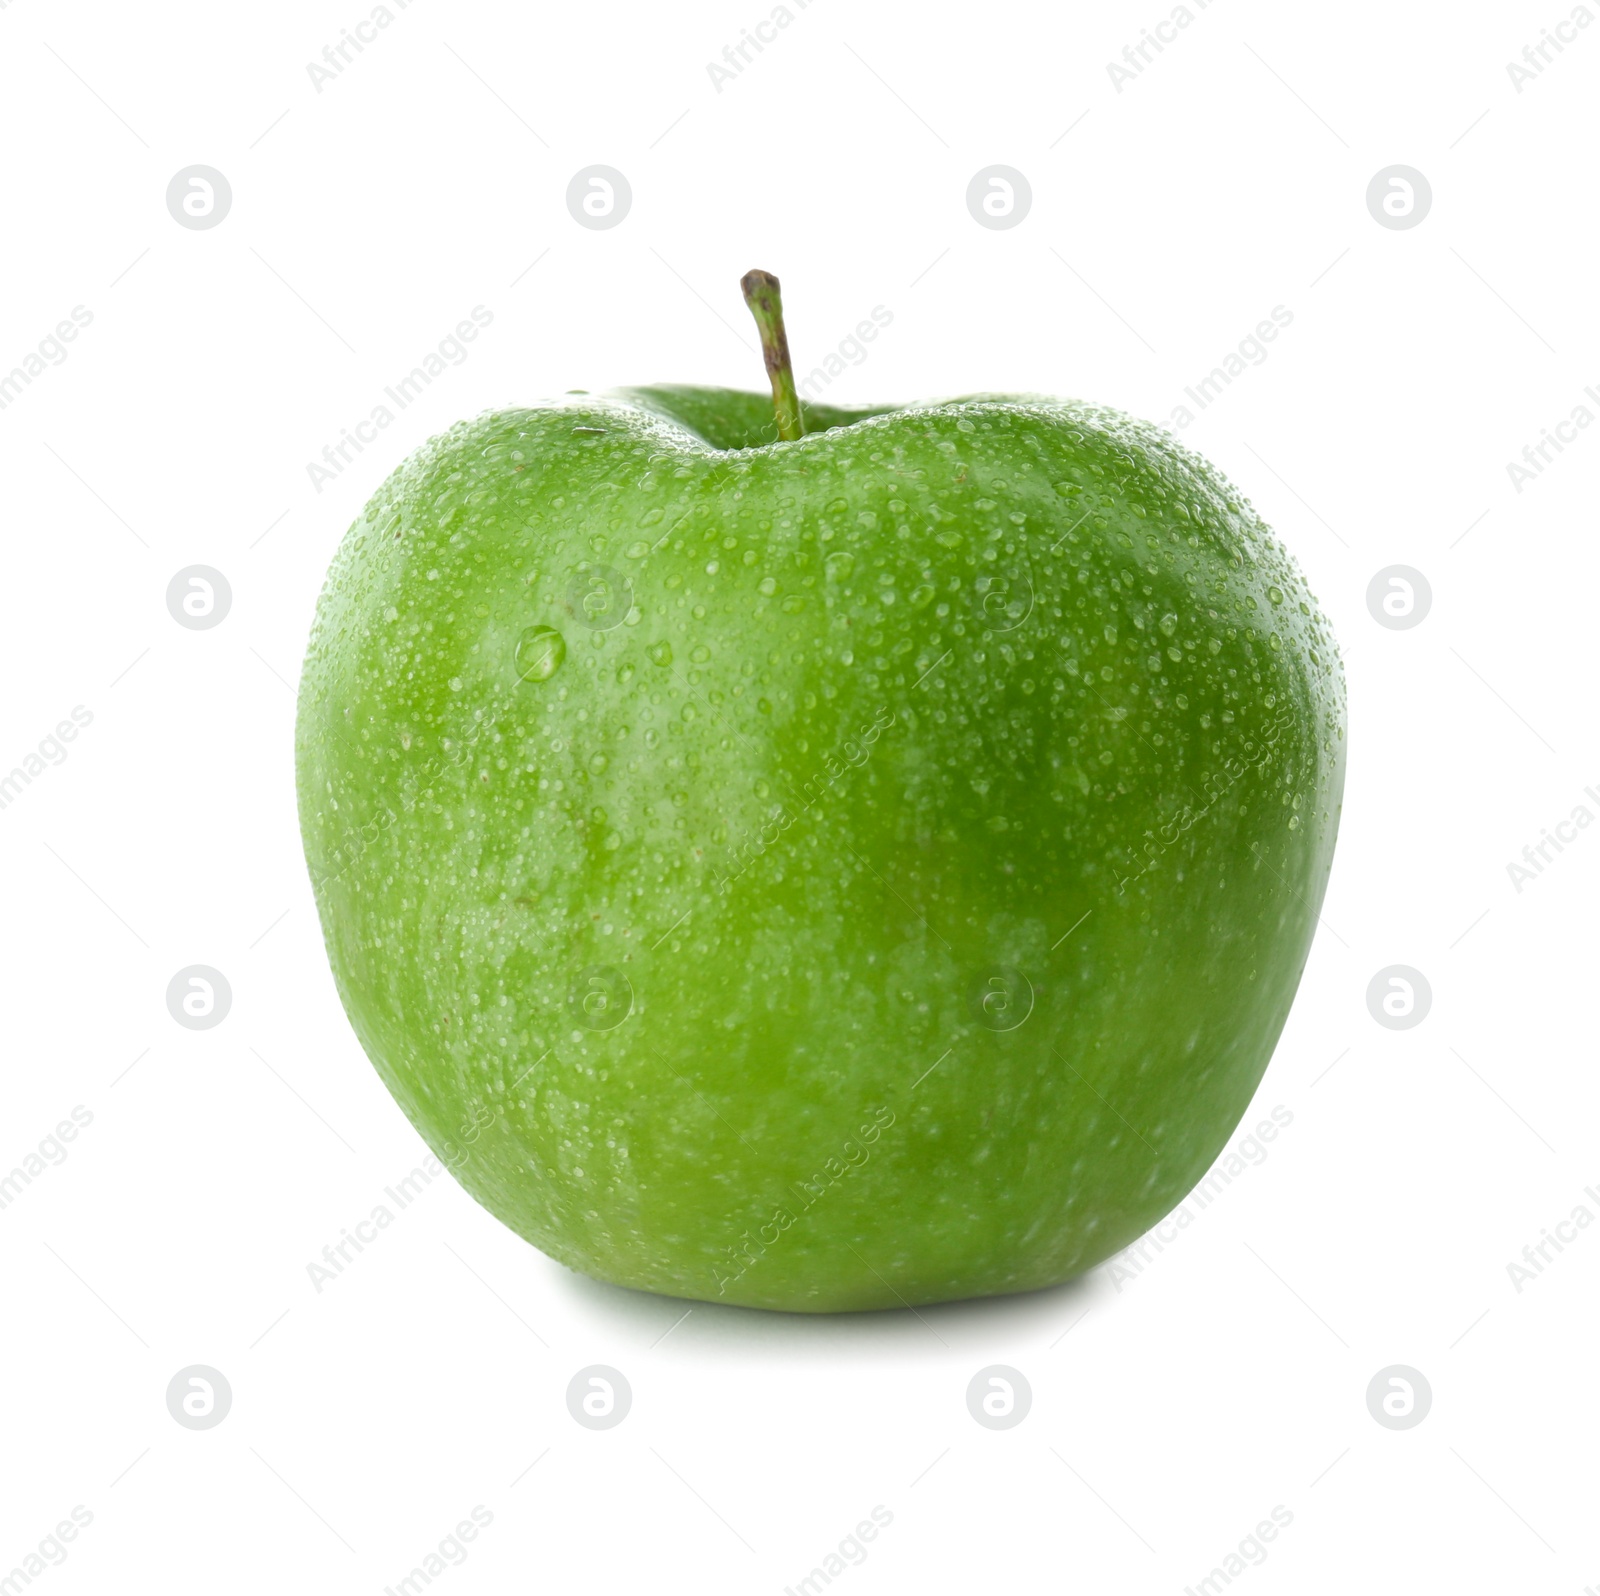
<point x="1171" y="1410"/>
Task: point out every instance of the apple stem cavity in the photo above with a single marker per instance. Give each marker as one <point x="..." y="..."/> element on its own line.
<point x="765" y="299"/>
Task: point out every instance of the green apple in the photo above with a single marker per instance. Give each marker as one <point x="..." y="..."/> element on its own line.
<point x="818" y="859"/>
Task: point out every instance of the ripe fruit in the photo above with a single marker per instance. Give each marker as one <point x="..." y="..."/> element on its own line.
<point x="864" y="868"/>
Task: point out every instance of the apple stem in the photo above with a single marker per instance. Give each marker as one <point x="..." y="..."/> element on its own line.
<point x="764" y="297"/>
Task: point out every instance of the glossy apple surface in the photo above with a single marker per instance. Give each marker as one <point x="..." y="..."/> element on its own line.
<point x="832" y="874"/>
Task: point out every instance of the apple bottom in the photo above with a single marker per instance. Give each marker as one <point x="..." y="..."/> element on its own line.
<point x="730" y="1160"/>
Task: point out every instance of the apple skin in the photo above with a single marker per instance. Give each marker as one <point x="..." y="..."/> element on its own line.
<point x="895" y="891"/>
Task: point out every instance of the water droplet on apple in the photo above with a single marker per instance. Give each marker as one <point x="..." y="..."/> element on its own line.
<point x="1275" y="594"/>
<point x="768" y="586"/>
<point x="661" y="652"/>
<point x="540" y="651"/>
<point x="839" y="565"/>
